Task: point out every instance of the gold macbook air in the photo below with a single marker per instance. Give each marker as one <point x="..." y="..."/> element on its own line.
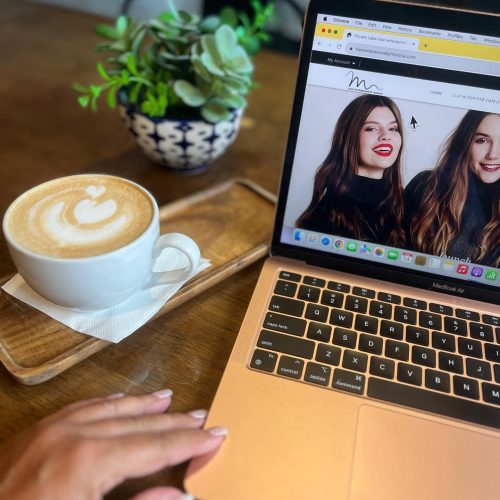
<point x="368" y="363"/>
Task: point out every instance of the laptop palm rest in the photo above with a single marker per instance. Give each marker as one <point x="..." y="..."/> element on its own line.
<point x="402" y="456"/>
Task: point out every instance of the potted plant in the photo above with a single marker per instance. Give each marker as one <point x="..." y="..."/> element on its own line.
<point x="179" y="80"/>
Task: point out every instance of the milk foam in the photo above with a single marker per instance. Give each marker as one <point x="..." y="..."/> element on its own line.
<point x="79" y="216"/>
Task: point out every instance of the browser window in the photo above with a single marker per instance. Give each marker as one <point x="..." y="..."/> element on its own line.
<point x="398" y="151"/>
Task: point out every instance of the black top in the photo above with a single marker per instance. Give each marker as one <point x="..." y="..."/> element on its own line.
<point x="475" y="215"/>
<point x="365" y="195"/>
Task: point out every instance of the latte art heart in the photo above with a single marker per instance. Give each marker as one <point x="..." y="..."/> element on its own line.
<point x="80" y="216"/>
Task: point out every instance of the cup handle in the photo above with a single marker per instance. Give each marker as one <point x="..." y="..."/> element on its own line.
<point x="185" y="245"/>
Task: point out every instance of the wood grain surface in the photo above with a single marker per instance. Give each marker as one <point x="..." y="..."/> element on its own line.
<point x="44" y="135"/>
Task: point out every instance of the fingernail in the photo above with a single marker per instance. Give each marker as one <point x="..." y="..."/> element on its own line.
<point x="187" y="496"/>
<point x="165" y="393"/>
<point x="201" y="414"/>
<point x="117" y="395"/>
<point x="218" y="431"/>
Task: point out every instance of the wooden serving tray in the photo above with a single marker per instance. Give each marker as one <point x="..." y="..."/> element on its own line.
<point x="232" y="224"/>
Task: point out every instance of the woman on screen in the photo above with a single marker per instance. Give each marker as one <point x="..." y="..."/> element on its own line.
<point x="454" y="210"/>
<point x="358" y="191"/>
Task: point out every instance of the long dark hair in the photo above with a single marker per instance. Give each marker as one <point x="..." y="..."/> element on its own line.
<point x="335" y="176"/>
<point x="437" y="221"/>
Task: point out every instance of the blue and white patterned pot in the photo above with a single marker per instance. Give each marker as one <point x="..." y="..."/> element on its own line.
<point x="183" y="145"/>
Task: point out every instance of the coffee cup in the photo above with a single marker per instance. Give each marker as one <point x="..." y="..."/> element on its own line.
<point x="88" y="242"/>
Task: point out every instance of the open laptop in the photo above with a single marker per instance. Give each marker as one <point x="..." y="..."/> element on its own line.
<point x="368" y="363"/>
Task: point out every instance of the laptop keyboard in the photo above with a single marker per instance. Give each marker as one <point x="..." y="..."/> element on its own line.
<point x="393" y="348"/>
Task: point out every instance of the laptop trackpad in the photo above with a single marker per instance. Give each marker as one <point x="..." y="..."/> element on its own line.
<point x="400" y="456"/>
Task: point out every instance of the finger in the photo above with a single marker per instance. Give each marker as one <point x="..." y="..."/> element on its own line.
<point x="145" y="423"/>
<point x="137" y="455"/>
<point x="126" y="406"/>
<point x="162" y="493"/>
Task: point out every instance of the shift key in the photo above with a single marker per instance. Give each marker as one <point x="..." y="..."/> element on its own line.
<point x="286" y="344"/>
<point x="285" y="324"/>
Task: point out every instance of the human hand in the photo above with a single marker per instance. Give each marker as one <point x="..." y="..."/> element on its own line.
<point x="87" y="448"/>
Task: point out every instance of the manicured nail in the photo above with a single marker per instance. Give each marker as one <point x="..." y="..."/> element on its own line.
<point x="165" y="393"/>
<point x="117" y="395"/>
<point x="218" y="431"/>
<point x="201" y="414"/>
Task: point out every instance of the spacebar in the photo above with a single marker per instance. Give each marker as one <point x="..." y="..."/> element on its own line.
<point x="442" y="404"/>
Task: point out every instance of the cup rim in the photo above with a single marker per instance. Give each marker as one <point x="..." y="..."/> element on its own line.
<point x="11" y="241"/>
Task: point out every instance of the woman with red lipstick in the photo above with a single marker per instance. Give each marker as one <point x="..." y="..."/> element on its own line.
<point x="454" y="210"/>
<point x="358" y="190"/>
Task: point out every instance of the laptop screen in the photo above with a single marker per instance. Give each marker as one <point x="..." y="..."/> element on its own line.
<point x="397" y="154"/>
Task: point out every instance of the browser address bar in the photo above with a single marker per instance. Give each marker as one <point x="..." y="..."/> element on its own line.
<point x="378" y="39"/>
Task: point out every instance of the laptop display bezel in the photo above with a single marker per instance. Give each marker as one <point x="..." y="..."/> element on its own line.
<point x="430" y="17"/>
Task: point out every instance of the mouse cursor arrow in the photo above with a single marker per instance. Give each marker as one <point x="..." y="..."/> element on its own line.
<point x="413" y="123"/>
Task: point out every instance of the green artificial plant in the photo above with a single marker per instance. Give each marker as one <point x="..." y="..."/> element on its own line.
<point x="178" y="63"/>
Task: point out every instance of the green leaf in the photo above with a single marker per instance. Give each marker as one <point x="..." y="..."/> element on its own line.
<point x="83" y="101"/>
<point x="210" y="65"/>
<point x="111" y="98"/>
<point x="131" y="64"/>
<point x="228" y="16"/>
<point x="102" y="71"/>
<point x="226" y="42"/>
<point x="107" y="31"/>
<point x="188" y="93"/>
<point x="80" y="88"/>
<point x="209" y="45"/>
<point x="213" y="111"/>
<point x="95" y="90"/>
<point x="173" y="10"/>
<point x="234" y="101"/>
<point x="121" y="25"/>
<point x="210" y="24"/>
<point x="251" y="45"/>
<point x="125" y="77"/>
<point x="134" y="93"/>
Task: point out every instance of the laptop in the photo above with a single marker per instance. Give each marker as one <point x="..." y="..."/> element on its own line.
<point x="368" y="363"/>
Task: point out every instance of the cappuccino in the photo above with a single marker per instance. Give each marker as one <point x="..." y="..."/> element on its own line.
<point x="79" y="216"/>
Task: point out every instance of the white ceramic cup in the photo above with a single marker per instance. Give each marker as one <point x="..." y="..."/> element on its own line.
<point x="102" y="281"/>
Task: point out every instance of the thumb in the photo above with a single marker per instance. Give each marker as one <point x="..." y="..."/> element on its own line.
<point x="162" y="493"/>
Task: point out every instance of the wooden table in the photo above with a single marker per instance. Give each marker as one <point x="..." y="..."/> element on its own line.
<point x="44" y="134"/>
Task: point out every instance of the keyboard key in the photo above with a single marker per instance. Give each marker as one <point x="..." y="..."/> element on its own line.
<point x="497" y="334"/>
<point x="286" y="275"/>
<point x="441" y="309"/>
<point x="410" y="374"/>
<point x="397" y="350"/>
<point x="466" y="387"/>
<point x="442" y="404"/>
<point x="417" y="304"/>
<point x="491" y="320"/>
<point x="341" y="318"/>
<point x="491" y="393"/>
<point x="348" y="381"/>
<point x="286" y="324"/>
<point x="430" y="320"/>
<point x="354" y="360"/>
<point x="391" y="330"/>
<point x="363" y="292"/>
<point x="285" y="288"/>
<point x="443" y="341"/>
<point x="405" y="315"/>
<point x="466" y="314"/>
<point x="492" y="352"/>
<point x="286" y="306"/>
<point x="333" y="299"/>
<point x="417" y="335"/>
<point x="380" y="309"/>
<point x="315" y="312"/>
<point x="290" y="367"/>
<point x="286" y="344"/>
<point x="264" y="360"/>
<point x="317" y="374"/>
<point x="481" y="332"/>
<point x="345" y="338"/>
<point x="370" y="343"/>
<point x="356" y="304"/>
<point x="389" y="297"/>
<point x="382" y="367"/>
<point x="478" y="369"/>
<point x="309" y="293"/>
<point x="366" y="324"/>
<point x="423" y="356"/>
<point x="319" y="331"/>
<point x="455" y="326"/>
<point x="470" y="348"/>
<point x="496" y="369"/>
<point x="451" y="362"/>
<point x="311" y="280"/>
<point x="439" y="381"/>
<point x="338" y="287"/>
<point x="328" y="354"/>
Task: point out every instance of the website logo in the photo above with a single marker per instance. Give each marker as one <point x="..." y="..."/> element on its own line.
<point x="325" y="241"/>
<point x="299" y="235"/>
<point x="420" y="260"/>
<point x="462" y="269"/>
<point x="407" y="257"/>
<point x="379" y="252"/>
<point x="477" y="272"/>
<point x="491" y="275"/>
<point x="351" y="246"/>
<point x="365" y="249"/>
<point x="360" y="83"/>
<point x="393" y="254"/>
<point x="312" y="238"/>
<point x="339" y="244"/>
<point x="449" y="266"/>
<point x="434" y="263"/>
